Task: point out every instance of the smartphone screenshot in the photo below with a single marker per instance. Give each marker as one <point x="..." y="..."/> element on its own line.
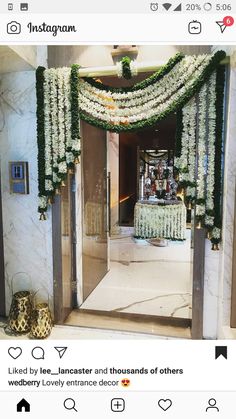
<point x="117" y="209"/>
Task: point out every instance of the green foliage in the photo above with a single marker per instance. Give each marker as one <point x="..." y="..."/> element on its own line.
<point x="179" y="131"/>
<point x="75" y="124"/>
<point x="174" y="107"/>
<point x="40" y="131"/>
<point x="158" y="75"/>
<point x="219" y="144"/>
<point x="126" y="71"/>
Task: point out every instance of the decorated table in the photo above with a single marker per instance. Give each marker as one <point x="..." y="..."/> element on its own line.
<point x="163" y="219"/>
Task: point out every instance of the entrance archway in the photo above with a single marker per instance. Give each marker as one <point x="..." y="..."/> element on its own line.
<point x="198" y="272"/>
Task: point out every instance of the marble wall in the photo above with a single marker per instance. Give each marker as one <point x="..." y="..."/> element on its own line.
<point x="218" y="269"/>
<point x="229" y="210"/>
<point x="27" y="241"/>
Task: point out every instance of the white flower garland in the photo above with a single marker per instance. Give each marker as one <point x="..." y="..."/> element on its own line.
<point x="145" y="103"/>
<point x="62" y="167"/>
<point x="201" y="151"/>
<point x="186" y="162"/>
<point x="167" y="221"/>
<point x="48" y="134"/>
<point x="206" y="151"/>
<point x="54" y="123"/>
<point x="134" y="106"/>
<point x="210" y="180"/>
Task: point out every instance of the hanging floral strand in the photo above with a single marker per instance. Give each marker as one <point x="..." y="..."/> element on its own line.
<point x="62" y="98"/>
<point x="48" y="134"/>
<point x="210" y="178"/>
<point x="75" y="120"/>
<point x="185" y="163"/>
<point x="143" y="106"/>
<point x="126" y="68"/>
<point x="201" y="155"/>
<point x="41" y="141"/>
<point x="218" y="187"/>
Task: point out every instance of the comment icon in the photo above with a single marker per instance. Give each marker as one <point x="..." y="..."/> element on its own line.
<point x="38" y="353"/>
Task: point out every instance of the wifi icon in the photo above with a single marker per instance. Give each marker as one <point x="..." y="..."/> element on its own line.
<point x="167" y="6"/>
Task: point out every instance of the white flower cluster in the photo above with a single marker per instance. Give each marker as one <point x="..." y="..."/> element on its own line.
<point x="167" y="221"/>
<point x="205" y="111"/>
<point x="202" y="149"/>
<point x="210" y="179"/>
<point x="186" y="162"/>
<point x="57" y="127"/>
<point x="139" y="105"/>
<point x="216" y="233"/>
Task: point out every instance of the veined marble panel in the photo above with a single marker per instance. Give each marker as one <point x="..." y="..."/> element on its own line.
<point x="145" y="279"/>
<point x="229" y="210"/>
<point x="27" y="241"/>
<point x="218" y="269"/>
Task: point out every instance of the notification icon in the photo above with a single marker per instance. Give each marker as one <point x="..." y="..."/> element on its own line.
<point x="226" y="22"/>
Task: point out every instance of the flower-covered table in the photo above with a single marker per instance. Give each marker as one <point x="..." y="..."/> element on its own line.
<point x="152" y="219"/>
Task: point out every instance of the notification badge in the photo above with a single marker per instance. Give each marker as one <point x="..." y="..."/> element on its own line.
<point x="226" y="22"/>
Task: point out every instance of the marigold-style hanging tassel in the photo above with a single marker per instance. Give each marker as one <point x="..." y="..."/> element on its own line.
<point x="71" y="171"/>
<point x="77" y="160"/>
<point x="209" y="235"/>
<point x="63" y="184"/>
<point x="42" y="216"/>
<point x="215" y="246"/>
<point x="199" y="224"/>
<point x="50" y="200"/>
<point x="57" y="191"/>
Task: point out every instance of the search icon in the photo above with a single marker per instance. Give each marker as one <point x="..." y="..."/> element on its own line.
<point x="69" y="404"/>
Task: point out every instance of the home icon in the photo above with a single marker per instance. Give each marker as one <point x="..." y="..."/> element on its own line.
<point x="23" y="406"/>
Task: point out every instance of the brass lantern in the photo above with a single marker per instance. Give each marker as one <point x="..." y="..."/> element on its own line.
<point x="20" y="312"/>
<point x="41" y="325"/>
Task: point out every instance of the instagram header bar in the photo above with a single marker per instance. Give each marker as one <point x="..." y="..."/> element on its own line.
<point x="216" y="29"/>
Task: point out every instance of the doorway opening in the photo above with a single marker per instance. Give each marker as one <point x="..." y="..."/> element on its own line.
<point x="135" y="275"/>
<point x="149" y="275"/>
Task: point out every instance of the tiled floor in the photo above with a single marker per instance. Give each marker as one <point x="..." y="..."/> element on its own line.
<point x="145" y="279"/>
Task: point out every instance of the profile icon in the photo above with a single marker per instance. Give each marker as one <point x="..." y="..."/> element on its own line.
<point x="212" y="405"/>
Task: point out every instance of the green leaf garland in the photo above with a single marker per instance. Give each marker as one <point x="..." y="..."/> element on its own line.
<point x="174" y="107"/>
<point x="75" y="120"/>
<point x="158" y="75"/>
<point x="218" y="187"/>
<point x="40" y="132"/>
<point x="126" y="71"/>
<point x="72" y="149"/>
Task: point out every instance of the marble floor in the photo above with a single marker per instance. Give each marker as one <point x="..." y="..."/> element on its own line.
<point x="77" y="333"/>
<point x="145" y="279"/>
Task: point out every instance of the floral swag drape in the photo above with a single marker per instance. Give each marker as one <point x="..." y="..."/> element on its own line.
<point x="191" y="86"/>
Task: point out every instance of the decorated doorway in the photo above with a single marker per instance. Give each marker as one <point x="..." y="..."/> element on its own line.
<point x="191" y="88"/>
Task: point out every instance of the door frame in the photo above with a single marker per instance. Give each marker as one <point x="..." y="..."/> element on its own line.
<point x="60" y="314"/>
<point x="196" y="323"/>
<point x="2" y="273"/>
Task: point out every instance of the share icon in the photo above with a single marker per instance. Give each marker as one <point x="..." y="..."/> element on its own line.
<point x="61" y="350"/>
<point x="226" y="22"/>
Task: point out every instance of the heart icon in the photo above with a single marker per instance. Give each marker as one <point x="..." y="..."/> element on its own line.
<point x="15" y="352"/>
<point x="165" y="404"/>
